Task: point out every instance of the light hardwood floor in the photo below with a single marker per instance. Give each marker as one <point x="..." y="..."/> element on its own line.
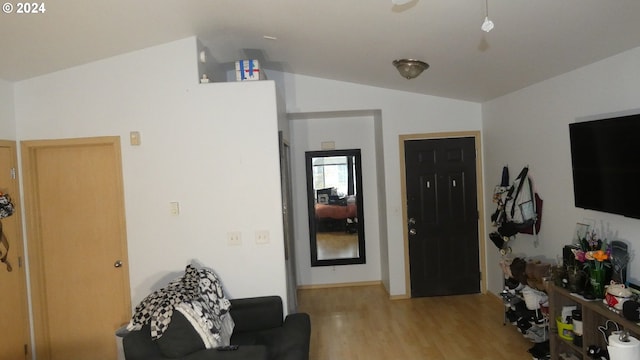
<point x="361" y="322"/>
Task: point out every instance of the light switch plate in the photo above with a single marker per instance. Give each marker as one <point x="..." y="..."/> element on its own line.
<point x="134" y="137"/>
<point x="174" y="208"/>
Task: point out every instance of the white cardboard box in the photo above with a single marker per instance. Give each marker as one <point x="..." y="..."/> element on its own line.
<point x="249" y="70"/>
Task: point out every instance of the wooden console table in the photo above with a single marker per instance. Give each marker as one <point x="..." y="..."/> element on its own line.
<point x="594" y="313"/>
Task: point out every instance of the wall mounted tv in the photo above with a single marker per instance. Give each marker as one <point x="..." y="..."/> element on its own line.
<point x="605" y="156"/>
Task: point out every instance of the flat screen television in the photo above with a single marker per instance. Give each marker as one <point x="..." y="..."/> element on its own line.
<point x="605" y="157"/>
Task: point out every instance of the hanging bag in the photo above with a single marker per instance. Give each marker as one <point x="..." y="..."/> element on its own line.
<point x="6" y="210"/>
<point x="6" y="206"/>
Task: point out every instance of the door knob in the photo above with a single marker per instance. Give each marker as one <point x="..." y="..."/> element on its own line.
<point x="117" y="264"/>
<point x="412" y="231"/>
<point x="412" y="221"/>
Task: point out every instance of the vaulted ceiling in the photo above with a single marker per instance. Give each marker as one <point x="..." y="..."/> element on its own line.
<point x="346" y="40"/>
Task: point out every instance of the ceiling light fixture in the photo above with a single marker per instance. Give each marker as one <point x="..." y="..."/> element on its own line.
<point x="487" y="25"/>
<point x="410" y="68"/>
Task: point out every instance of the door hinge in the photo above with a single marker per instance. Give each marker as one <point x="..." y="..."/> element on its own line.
<point x="26" y="350"/>
<point x="13" y="173"/>
<point x="480" y="275"/>
<point x="19" y="261"/>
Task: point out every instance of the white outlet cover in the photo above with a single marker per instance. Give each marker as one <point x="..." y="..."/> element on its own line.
<point x="262" y="237"/>
<point x="234" y="238"/>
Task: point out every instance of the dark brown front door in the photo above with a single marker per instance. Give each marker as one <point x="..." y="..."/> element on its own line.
<point x="443" y="216"/>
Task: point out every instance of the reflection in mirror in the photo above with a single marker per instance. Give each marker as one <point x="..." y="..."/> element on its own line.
<point x="336" y="221"/>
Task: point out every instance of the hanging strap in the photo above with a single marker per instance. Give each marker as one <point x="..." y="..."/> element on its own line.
<point x="522" y="176"/>
<point x="4" y="242"/>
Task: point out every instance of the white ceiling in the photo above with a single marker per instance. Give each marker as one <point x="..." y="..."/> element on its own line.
<point x="347" y="40"/>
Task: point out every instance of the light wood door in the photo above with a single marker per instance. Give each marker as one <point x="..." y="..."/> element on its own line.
<point x="77" y="246"/>
<point x="14" y="316"/>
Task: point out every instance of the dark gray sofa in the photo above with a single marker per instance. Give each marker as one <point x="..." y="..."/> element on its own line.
<point x="260" y="332"/>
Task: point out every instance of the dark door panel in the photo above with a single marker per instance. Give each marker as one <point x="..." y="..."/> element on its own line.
<point x="442" y="201"/>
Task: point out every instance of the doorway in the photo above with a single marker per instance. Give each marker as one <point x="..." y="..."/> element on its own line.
<point x="14" y="331"/>
<point x="443" y="192"/>
<point x="77" y="246"/>
<point x="287" y="222"/>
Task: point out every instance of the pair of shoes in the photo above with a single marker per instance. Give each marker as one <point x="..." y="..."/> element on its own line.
<point x="509" y="298"/>
<point x="511" y="316"/>
<point x="537" y="334"/>
<point x="521" y="311"/>
<point x="511" y="283"/>
<point x="541" y="350"/>
<point x="534" y="298"/>
<point x="523" y="325"/>
<point x="538" y="318"/>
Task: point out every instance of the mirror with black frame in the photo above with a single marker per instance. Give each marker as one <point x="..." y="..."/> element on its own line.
<point x="336" y="220"/>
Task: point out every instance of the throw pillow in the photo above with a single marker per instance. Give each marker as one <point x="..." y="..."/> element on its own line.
<point x="213" y="330"/>
<point x="180" y="338"/>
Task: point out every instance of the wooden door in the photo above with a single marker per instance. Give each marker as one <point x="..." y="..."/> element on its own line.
<point x="14" y="316"/>
<point x="442" y="214"/>
<point x="77" y="246"/>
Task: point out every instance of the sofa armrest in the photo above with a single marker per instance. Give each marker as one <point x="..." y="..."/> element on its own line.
<point x="257" y="313"/>
<point x="296" y="337"/>
<point x="245" y="352"/>
<point x="139" y="346"/>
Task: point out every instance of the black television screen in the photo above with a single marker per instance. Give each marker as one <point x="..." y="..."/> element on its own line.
<point x="605" y="157"/>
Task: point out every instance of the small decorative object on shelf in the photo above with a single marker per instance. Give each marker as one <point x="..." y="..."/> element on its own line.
<point x="249" y="70"/>
<point x="558" y="274"/>
<point x="616" y="295"/>
<point x="619" y="260"/>
<point x="594" y="254"/>
<point x="576" y="318"/>
<point x="577" y="280"/>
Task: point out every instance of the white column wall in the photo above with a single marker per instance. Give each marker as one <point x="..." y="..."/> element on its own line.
<point x="212" y="147"/>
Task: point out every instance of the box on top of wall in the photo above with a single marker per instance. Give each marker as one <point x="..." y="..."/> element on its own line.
<point x="249" y="70"/>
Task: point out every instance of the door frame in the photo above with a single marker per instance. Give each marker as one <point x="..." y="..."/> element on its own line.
<point x="17" y="245"/>
<point x="287" y="222"/>
<point x="29" y="151"/>
<point x="479" y="196"/>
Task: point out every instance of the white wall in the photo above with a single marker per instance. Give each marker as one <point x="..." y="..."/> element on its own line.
<point x="401" y="113"/>
<point x="213" y="148"/>
<point x="347" y="133"/>
<point x="530" y="126"/>
<point x="7" y="121"/>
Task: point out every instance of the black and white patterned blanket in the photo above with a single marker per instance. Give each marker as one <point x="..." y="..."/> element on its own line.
<point x="198" y="295"/>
